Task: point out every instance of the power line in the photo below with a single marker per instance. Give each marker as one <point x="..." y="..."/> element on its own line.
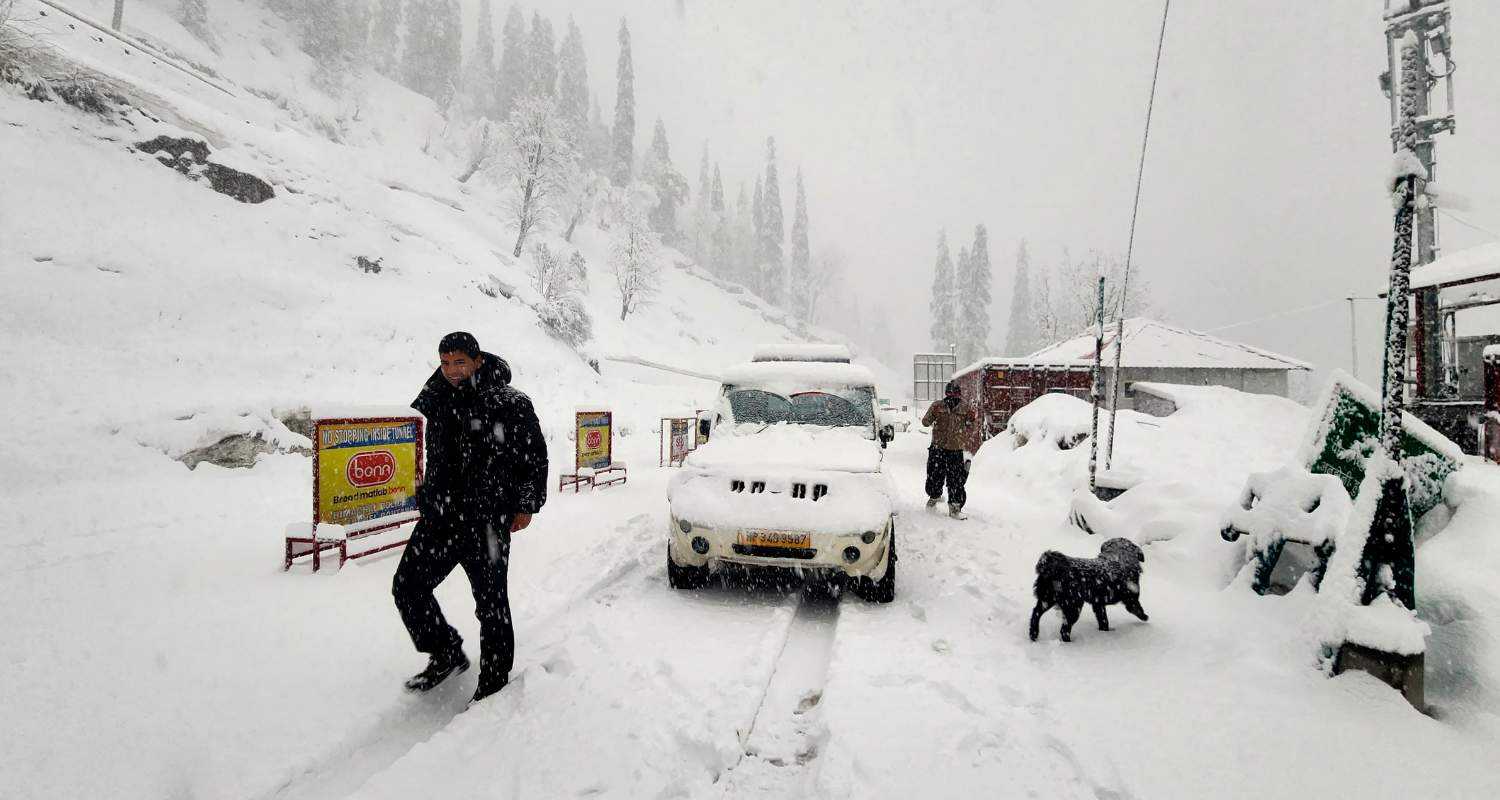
<point x="1460" y="220"/>
<point x="1288" y="313"/>
<point x="1135" y="210"/>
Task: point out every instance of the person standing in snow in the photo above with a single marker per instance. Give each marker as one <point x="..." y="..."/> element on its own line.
<point x="486" y="476"/>
<point x="952" y="424"/>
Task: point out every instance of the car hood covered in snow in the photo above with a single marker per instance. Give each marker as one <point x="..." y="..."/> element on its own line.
<point x="781" y="447"/>
<point x="785" y="477"/>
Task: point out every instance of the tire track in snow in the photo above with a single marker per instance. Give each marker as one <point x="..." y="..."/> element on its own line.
<point x="342" y="768"/>
<point x="783" y="737"/>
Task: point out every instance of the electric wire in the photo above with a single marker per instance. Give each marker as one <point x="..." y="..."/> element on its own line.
<point x="1140" y="173"/>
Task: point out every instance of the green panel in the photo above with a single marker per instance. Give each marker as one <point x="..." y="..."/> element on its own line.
<point x="1352" y="431"/>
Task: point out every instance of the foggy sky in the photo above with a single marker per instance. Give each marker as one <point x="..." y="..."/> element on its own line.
<point x="1263" y="185"/>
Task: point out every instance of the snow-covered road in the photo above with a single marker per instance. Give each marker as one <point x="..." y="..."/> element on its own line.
<point x="202" y="671"/>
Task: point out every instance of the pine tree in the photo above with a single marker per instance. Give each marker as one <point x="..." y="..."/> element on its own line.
<point x="193" y="14"/>
<point x="541" y="75"/>
<point x="702" y="224"/>
<point x="599" y="144"/>
<point x="385" y="38"/>
<point x="742" y="240"/>
<point x="944" y="296"/>
<point x="974" y="300"/>
<point x="1022" y="336"/>
<point x="573" y="83"/>
<point x="754" y="277"/>
<point x="358" y="18"/>
<point x="431" y="61"/>
<point x="671" y="188"/>
<point x="510" y="80"/>
<point x="719" y="240"/>
<point x="773" y="232"/>
<point x="623" y="168"/>
<point x="802" y="278"/>
<point x="479" y="74"/>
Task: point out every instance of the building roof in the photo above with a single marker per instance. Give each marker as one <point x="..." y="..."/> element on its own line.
<point x="1149" y="343"/>
<point x="1463" y="266"/>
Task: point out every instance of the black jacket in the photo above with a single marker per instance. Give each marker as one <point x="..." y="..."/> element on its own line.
<point x="485" y="453"/>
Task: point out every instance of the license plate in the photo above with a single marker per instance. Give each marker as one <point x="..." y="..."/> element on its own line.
<point x="775" y="539"/>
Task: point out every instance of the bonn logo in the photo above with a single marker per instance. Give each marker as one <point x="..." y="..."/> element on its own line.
<point x="593" y="439"/>
<point x="371" y="469"/>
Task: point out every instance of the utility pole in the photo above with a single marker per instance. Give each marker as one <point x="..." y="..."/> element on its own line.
<point x="1097" y="391"/>
<point x="119" y="14"/>
<point x="1430" y="21"/>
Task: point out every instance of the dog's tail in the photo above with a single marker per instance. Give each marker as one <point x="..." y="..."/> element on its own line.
<point x="1049" y="568"/>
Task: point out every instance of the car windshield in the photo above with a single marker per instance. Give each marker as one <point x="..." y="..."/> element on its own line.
<point x="844" y="407"/>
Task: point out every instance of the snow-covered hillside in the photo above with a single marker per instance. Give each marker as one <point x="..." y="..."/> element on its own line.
<point x="190" y="304"/>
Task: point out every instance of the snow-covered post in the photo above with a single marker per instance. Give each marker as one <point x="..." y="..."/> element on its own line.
<point x="119" y="18"/>
<point x="1097" y="389"/>
<point x="1371" y="576"/>
<point x="1389" y="556"/>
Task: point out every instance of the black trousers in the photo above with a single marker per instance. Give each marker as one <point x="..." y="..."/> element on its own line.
<point x="436" y="547"/>
<point x="947" y="467"/>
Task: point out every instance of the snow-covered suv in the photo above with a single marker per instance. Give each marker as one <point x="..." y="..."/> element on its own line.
<point x="791" y="477"/>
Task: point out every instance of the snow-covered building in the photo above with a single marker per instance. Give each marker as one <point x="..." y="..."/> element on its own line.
<point x="1156" y="352"/>
<point x="1454" y="319"/>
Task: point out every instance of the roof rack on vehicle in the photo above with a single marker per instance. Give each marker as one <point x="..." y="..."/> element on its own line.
<point x="825" y="353"/>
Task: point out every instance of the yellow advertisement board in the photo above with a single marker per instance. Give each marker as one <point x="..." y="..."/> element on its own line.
<point x="365" y="469"/>
<point x="593" y="440"/>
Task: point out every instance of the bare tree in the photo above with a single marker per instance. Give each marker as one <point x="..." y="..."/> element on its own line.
<point x="581" y="192"/>
<point x="539" y="156"/>
<point x="479" y="148"/>
<point x="635" y="260"/>
<point x="1066" y="297"/>
<point x="561" y="309"/>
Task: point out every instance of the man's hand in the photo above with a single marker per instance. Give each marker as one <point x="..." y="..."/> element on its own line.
<point x="520" y="522"/>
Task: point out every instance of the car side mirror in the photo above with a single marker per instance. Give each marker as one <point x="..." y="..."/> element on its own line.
<point x="887" y="433"/>
<point x="703" y="428"/>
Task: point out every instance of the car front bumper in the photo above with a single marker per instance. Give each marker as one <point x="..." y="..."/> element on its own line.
<point x="825" y="552"/>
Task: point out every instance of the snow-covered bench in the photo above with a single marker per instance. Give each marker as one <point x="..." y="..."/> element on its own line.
<point x="1288" y="505"/>
<point x="591" y="477"/>
<point x="309" y="539"/>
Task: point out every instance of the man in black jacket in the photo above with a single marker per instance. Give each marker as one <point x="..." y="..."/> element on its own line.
<point x="486" y="475"/>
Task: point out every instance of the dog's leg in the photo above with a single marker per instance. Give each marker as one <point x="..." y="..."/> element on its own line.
<point x="1036" y="618"/>
<point x="1133" y="605"/>
<point x="1100" y="615"/>
<point x="1070" y="616"/>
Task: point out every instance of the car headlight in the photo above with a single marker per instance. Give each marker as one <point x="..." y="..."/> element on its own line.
<point x="684" y="526"/>
<point x="868" y="537"/>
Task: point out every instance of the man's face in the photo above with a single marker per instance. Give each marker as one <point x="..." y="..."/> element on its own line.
<point x="459" y="367"/>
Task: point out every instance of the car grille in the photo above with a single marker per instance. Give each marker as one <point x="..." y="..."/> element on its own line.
<point x="774" y="552"/>
<point x="799" y="490"/>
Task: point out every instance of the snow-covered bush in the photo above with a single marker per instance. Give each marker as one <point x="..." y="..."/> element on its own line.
<point x="29" y="63"/>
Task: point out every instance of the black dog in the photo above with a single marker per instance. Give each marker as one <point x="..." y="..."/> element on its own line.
<point x="1070" y="583"/>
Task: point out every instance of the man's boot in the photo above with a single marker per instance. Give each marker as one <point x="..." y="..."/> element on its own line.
<point x="956" y="511"/>
<point x="932" y="502"/>
<point x="487" y="687"/>
<point x="439" y="667"/>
